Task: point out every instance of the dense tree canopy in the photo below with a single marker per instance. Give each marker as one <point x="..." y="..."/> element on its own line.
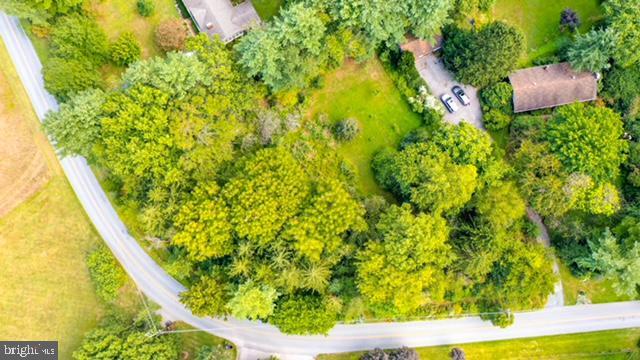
<point x="38" y="11"/>
<point x="482" y="57"/>
<point x="588" y="140"/>
<point x="404" y="268"/>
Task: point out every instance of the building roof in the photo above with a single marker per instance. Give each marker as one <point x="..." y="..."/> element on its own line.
<point x="551" y="85"/>
<point x="220" y="17"/>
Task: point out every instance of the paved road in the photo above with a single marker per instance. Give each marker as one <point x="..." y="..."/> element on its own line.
<point x="256" y="338"/>
<point x="440" y="81"/>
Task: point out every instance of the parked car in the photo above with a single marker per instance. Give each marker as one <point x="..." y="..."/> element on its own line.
<point x="448" y="102"/>
<point x="459" y="93"/>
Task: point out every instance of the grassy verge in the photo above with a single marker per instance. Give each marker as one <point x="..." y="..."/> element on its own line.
<point x="366" y="93"/>
<point x="596" y="290"/>
<point x="609" y="345"/>
<point x="267" y="9"/>
<point x="540" y="20"/>
<point x="192" y="341"/>
<point x="45" y="290"/>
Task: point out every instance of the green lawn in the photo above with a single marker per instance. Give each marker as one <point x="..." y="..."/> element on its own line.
<point x="603" y="345"/>
<point x="366" y="93"/>
<point x="267" y="8"/>
<point x="118" y="16"/>
<point x="540" y="19"/>
<point x="596" y="290"/>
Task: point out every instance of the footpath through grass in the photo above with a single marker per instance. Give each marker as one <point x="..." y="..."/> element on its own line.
<point x="366" y="93"/>
<point x="602" y="345"/>
<point x="540" y="22"/>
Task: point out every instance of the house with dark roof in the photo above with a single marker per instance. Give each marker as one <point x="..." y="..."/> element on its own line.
<point x="222" y="18"/>
<point x="551" y="85"/>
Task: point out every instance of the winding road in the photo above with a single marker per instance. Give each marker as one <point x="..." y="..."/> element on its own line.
<point x="257" y="339"/>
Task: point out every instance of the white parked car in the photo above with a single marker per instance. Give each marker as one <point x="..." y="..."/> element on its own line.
<point x="448" y="102"/>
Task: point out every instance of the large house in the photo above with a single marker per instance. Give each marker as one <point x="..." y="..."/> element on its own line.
<point x="222" y="18"/>
<point x="550" y="86"/>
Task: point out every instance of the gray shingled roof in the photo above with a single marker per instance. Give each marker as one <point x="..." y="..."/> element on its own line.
<point x="220" y="17"/>
<point x="551" y="85"/>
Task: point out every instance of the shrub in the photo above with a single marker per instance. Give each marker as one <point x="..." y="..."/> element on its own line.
<point x="347" y="130"/>
<point x="497" y="105"/>
<point x="482" y="57"/>
<point x="79" y="37"/>
<point x="171" y="35"/>
<point x="569" y="19"/>
<point x="63" y="77"/>
<point x="106" y="274"/>
<point x="146" y="8"/>
<point x="496" y="120"/>
<point x="622" y="86"/>
<point x="125" y="50"/>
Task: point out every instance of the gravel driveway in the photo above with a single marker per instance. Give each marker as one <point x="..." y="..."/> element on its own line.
<point x="440" y="81"/>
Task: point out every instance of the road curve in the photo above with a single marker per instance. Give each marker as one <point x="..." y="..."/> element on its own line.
<point x="256" y="337"/>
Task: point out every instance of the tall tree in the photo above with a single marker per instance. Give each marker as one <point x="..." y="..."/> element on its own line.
<point x="592" y="51"/>
<point x="485" y="56"/>
<point x="76" y="125"/>
<point x="588" y="139"/>
<point x="252" y="301"/>
<point x="403" y="269"/>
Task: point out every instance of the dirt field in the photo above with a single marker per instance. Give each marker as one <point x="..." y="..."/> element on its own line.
<point x="23" y="166"/>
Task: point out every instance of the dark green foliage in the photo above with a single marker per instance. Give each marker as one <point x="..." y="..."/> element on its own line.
<point x="121" y="337"/>
<point x="207" y="297"/>
<point x="403" y="353"/>
<point x="588" y="140"/>
<point x="497" y="105"/>
<point x="304" y="315"/>
<point x="482" y="57"/>
<point x="64" y="77"/>
<point x="569" y="19"/>
<point x="401" y="67"/>
<point x="125" y="50"/>
<point x="76" y="125"/>
<point x="347" y="129"/>
<point x="39" y="12"/>
<point x="145" y="8"/>
<point x="106" y="273"/>
<point x="78" y="48"/>
<point x="622" y="88"/>
<point x="79" y="37"/>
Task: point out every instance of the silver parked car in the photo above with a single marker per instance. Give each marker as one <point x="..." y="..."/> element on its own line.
<point x="448" y="102"/>
<point x="462" y="97"/>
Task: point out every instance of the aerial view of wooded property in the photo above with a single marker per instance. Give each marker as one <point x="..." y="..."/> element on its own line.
<point x="321" y="179"/>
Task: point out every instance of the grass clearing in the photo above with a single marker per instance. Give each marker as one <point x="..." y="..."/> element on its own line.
<point x="267" y="9"/>
<point x="596" y="290"/>
<point x="365" y="92"/>
<point x="602" y="345"/>
<point x="540" y="22"/>
<point x="118" y="16"/>
<point x="46" y="292"/>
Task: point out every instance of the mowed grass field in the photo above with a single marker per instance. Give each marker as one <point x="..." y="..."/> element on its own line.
<point x="540" y="21"/>
<point x="45" y="290"/>
<point x="602" y="345"/>
<point x="365" y="92"/>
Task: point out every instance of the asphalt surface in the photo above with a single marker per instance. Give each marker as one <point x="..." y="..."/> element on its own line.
<point x="256" y="339"/>
<point x="440" y="81"/>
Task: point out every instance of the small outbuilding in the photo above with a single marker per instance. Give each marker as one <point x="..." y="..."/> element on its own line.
<point x="222" y="17"/>
<point x="551" y="85"/>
